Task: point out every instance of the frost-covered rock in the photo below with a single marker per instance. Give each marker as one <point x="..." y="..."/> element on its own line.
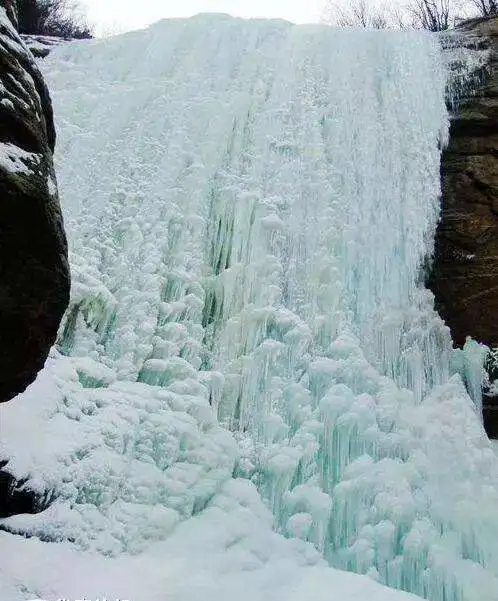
<point x="40" y="46"/>
<point x="34" y="272"/>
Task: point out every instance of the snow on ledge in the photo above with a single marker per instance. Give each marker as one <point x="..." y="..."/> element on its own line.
<point x="16" y="160"/>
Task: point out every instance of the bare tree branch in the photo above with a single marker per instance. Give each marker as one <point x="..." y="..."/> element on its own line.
<point x="358" y="14"/>
<point x="433" y="15"/>
<point x="486" y="8"/>
<point x="59" y="18"/>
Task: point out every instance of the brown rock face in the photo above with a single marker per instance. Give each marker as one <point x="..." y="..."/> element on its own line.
<point x="465" y="275"/>
<point x="34" y="272"/>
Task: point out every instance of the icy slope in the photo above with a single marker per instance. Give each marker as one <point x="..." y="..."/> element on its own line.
<point x="227" y="552"/>
<point x="249" y="205"/>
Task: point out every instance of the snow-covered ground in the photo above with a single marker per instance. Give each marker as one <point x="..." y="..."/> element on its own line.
<point x="227" y="552"/>
<point x="250" y="385"/>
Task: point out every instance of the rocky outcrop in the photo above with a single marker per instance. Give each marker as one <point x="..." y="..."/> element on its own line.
<point x="40" y="46"/>
<point x="465" y="271"/>
<point x="16" y="496"/>
<point x="466" y="260"/>
<point x="34" y="272"/>
<point x="465" y="277"/>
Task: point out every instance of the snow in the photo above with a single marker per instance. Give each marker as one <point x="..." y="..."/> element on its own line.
<point x="227" y="552"/>
<point x="51" y="185"/>
<point x="251" y="387"/>
<point x="42" y="44"/>
<point x="16" y="160"/>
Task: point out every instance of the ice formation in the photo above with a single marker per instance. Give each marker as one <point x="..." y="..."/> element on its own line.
<point x="250" y="205"/>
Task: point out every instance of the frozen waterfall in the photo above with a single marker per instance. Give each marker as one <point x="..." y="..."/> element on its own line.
<point x="250" y="206"/>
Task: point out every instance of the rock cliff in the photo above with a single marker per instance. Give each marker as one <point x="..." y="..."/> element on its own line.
<point x="34" y="272"/>
<point x="465" y="280"/>
<point x="465" y="271"/>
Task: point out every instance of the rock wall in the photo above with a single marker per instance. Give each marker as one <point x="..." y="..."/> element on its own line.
<point x="464" y="278"/>
<point x="34" y="271"/>
<point x="465" y="272"/>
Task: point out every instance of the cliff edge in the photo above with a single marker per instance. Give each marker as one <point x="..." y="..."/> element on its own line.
<point x="465" y="271"/>
<point x="34" y="271"/>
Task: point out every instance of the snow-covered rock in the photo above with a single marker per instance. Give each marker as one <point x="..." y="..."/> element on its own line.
<point x="34" y="273"/>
